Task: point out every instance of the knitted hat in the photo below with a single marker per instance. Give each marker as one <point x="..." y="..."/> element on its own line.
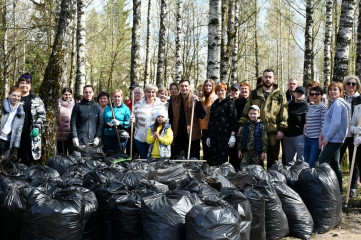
<point x="161" y="113"/>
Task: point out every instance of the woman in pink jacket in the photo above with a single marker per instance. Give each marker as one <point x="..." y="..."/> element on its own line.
<point x="66" y="104"/>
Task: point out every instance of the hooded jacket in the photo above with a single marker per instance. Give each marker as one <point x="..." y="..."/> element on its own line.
<point x="18" y="122"/>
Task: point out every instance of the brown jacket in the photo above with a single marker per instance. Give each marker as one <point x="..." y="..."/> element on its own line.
<point x="174" y="113"/>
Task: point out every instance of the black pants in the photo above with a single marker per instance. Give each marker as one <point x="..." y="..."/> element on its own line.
<point x="180" y="144"/>
<point x="207" y="152"/>
<point x="233" y="156"/>
<point x="219" y="146"/>
<point x="59" y="147"/>
<point x="347" y="144"/>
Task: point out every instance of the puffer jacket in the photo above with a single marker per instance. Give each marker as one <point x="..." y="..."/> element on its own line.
<point x="273" y="109"/>
<point x="38" y="118"/>
<point x="63" y="119"/>
<point x="86" y="121"/>
<point x="18" y="122"/>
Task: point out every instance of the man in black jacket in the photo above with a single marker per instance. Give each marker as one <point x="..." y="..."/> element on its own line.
<point x="86" y="120"/>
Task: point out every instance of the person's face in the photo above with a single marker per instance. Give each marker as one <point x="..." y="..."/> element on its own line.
<point x="88" y="93"/>
<point x="351" y="85"/>
<point x="253" y="115"/>
<point x="67" y="96"/>
<point x="298" y="96"/>
<point x="244" y="92"/>
<point x="334" y="93"/>
<point x="315" y="97"/>
<point x="25" y="87"/>
<point x="234" y="93"/>
<point x="117" y="98"/>
<point x="150" y="94"/>
<point x="163" y="96"/>
<point x="208" y="87"/>
<point x="137" y="95"/>
<point x="184" y="88"/>
<point x="174" y="90"/>
<point x="15" y="98"/>
<point x="292" y="84"/>
<point x="268" y="79"/>
<point x="221" y="93"/>
<point x="160" y="119"/>
<point x="199" y="92"/>
<point x="103" y="101"/>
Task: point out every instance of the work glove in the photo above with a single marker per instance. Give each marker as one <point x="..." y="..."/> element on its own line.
<point x="357" y="141"/>
<point x="110" y="124"/>
<point x="76" y="142"/>
<point x="132" y="119"/>
<point x="34" y="133"/>
<point x="357" y="130"/>
<point x="96" y="141"/>
<point x="208" y="142"/>
<point x="232" y="141"/>
<point x="116" y="122"/>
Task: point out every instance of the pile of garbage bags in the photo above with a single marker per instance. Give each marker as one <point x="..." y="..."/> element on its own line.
<point x="87" y="196"/>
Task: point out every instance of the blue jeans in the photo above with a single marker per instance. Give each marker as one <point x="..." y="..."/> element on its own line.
<point x="311" y="151"/>
<point x="111" y="143"/>
<point x="142" y="148"/>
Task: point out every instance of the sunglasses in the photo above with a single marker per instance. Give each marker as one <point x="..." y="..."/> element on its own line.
<point x="351" y="84"/>
<point x="315" y="94"/>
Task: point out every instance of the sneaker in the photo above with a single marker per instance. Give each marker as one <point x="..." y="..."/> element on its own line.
<point x="353" y="193"/>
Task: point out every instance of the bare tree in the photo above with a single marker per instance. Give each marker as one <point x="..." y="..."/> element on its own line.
<point x="147" y="49"/>
<point x="161" y="44"/>
<point x="358" y="49"/>
<point x="327" y="44"/>
<point x="224" y="53"/>
<point x="308" y="56"/>
<point x="234" y="49"/>
<point x="343" y="40"/>
<point x="80" y="72"/>
<point x="5" y="46"/>
<point x="214" y="40"/>
<point x="134" y="75"/>
<point x="178" y="58"/>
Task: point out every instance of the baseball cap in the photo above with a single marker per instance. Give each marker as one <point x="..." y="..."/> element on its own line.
<point x="236" y="86"/>
<point x="255" y="107"/>
<point x="300" y="89"/>
<point x="134" y="86"/>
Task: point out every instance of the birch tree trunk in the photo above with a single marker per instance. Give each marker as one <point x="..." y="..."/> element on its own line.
<point x="343" y="40"/>
<point x="134" y="73"/>
<point x="178" y="59"/>
<point x="358" y="47"/>
<point x="5" y="48"/>
<point x="327" y="44"/>
<point x="231" y="35"/>
<point x="224" y="47"/>
<point x="80" y="34"/>
<point x="234" y="50"/>
<point x="50" y="87"/>
<point x="307" y="64"/>
<point x="214" y="40"/>
<point x="147" y="51"/>
<point x="256" y="65"/>
<point x="161" y="44"/>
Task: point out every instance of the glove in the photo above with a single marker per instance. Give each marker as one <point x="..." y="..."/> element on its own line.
<point x="96" y="141"/>
<point x="116" y="122"/>
<point x="76" y="142"/>
<point x="14" y="154"/>
<point x="232" y="141"/>
<point x="34" y="133"/>
<point x="357" y="141"/>
<point x="132" y="119"/>
<point x="110" y="124"/>
<point x="357" y="130"/>
<point x="208" y="142"/>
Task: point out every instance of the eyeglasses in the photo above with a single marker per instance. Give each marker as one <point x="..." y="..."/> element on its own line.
<point x="315" y="94"/>
<point x="351" y="84"/>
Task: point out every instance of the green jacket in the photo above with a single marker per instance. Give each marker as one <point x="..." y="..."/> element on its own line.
<point x="273" y="110"/>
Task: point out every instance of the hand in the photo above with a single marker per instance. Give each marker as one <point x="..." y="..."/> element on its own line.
<point x="116" y="122"/>
<point x="240" y="155"/>
<point x="155" y="135"/>
<point x="263" y="156"/>
<point x="110" y="124"/>
<point x="76" y="142"/>
<point x="132" y="119"/>
<point x="96" y="141"/>
<point x="208" y="142"/>
<point x="34" y="133"/>
<point x="239" y="131"/>
<point x="231" y="141"/>
<point x="279" y="135"/>
<point x="357" y="130"/>
<point x="324" y="143"/>
<point x="194" y="98"/>
<point x="357" y="141"/>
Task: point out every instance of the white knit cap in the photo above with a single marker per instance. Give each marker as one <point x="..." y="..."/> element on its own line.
<point x="161" y="113"/>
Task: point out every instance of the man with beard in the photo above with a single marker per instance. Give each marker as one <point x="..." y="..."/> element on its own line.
<point x="272" y="102"/>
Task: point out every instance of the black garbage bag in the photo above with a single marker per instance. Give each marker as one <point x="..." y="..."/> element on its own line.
<point x="38" y="172"/>
<point x="132" y="178"/>
<point x="170" y="175"/>
<point x="276" y="220"/>
<point x="218" y="181"/>
<point x="242" y="206"/>
<point x="61" y="163"/>
<point x="299" y="218"/>
<point x="74" y="177"/>
<point x="163" y="215"/>
<point x="319" y="190"/>
<point x="213" y="220"/>
<point x="275" y="176"/>
<point x="225" y="169"/>
<point x="91" y="165"/>
<point x="93" y="153"/>
<point x="258" y="172"/>
<point x="291" y="173"/>
<point x="53" y="216"/>
<point x="257" y="201"/>
<point x="202" y="189"/>
<point x="137" y="165"/>
<point x="241" y="179"/>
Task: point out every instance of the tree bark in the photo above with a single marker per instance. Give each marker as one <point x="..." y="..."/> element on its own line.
<point x="358" y="47"/>
<point x="50" y="87"/>
<point x="147" y="51"/>
<point x="308" y="53"/>
<point x="234" y="49"/>
<point x="161" y="44"/>
<point x="178" y="59"/>
<point x="80" y="72"/>
<point x="134" y="72"/>
<point x="224" y="45"/>
<point x="256" y="40"/>
<point x="214" y="40"/>
<point x="327" y="44"/>
<point x="343" y="40"/>
<point x="5" y="48"/>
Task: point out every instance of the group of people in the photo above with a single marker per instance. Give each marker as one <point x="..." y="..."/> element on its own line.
<point x="237" y="125"/>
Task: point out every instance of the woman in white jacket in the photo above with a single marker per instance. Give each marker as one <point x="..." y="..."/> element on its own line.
<point x="144" y="115"/>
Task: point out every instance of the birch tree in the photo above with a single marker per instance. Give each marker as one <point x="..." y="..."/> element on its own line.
<point x="214" y="40"/>
<point x="50" y="87"/>
<point x="81" y="35"/>
<point x="224" y="53"/>
<point x="343" y="40"/>
<point x="308" y="57"/>
<point x="358" y="47"/>
<point x="161" y="44"/>
<point x="178" y="57"/>
<point x="327" y="44"/>
<point x="147" y="48"/>
<point x="134" y="74"/>
<point x="234" y="49"/>
<point x="5" y="46"/>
